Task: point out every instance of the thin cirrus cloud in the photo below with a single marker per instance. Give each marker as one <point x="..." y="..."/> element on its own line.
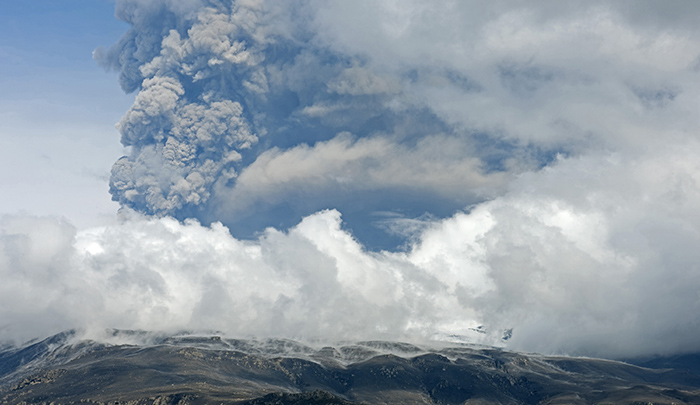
<point x="544" y="155"/>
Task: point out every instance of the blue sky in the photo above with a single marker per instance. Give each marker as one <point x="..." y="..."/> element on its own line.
<point x="58" y="108"/>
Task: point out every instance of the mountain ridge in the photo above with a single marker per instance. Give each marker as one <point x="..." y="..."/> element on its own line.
<point x="191" y="369"/>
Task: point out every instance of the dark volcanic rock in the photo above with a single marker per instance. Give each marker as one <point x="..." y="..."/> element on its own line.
<point x="305" y="398"/>
<point x="202" y="370"/>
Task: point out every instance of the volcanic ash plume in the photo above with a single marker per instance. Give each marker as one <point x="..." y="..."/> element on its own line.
<point x="224" y="87"/>
<point x="188" y="125"/>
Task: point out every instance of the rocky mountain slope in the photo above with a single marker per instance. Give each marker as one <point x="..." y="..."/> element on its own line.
<point x="209" y="369"/>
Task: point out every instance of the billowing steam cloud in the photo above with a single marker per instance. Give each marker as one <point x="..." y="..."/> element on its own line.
<point x="540" y="162"/>
<point x="612" y="273"/>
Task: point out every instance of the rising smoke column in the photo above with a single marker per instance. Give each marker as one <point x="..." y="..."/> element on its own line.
<point x="208" y="87"/>
<point x="185" y="132"/>
<point x="228" y="86"/>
